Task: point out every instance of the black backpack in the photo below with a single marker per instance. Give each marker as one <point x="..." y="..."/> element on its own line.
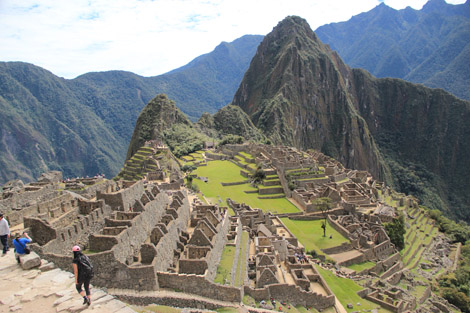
<point x="86" y="268"/>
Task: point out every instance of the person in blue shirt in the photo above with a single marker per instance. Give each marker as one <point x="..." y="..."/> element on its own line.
<point x="20" y="245"/>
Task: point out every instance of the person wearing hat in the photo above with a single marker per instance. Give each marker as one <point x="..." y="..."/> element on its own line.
<point x="4" y="233"/>
<point x="20" y="245"/>
<point x="81" y="269"/>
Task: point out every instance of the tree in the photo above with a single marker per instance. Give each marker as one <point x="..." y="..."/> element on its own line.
<point x="189" y="181"/>
<point x="258" y="176"/>
<point x="324" y="205"/>
<point x="396" y="231"/>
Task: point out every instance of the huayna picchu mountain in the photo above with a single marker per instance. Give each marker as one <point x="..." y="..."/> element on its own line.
<point x="299" y="92"/>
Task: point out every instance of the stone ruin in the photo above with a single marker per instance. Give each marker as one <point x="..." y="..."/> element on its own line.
<point x="151" y="236"/>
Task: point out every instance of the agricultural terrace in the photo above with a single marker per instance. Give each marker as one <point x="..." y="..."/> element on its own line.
<point x="346" y="292"/>
<point x="225" y="171"/>
<point x="310" y="234"/>
<point x="192" y="158"/>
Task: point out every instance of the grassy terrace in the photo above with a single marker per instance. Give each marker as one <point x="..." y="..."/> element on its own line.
<point x="242" y="260"/>
<point x="225" y="171"/>
<point x="361" y="266"/>
<point x="421" y="238"/>
<point x="225" y="266"/>
<point x="345" y="290"/>
<point x="310" y="234"/>
<point x="246" y="155"/>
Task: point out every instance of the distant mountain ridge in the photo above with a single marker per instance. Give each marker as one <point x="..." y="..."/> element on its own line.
<point x="429" y="46"/>
<point x="83" y="126"/>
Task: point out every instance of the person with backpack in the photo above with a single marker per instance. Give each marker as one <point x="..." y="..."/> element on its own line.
<point x="83" y="271"/>
<point x="20" y="245"/>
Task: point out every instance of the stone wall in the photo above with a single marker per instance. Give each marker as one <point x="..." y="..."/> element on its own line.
<point x="129" y="240"/>
<point x="215" y="156"/>
<point x="103" y="187"/>
<point x="75" y="232"/>
<point x="395" y="268"/>
<point x="383" y="250"/>
<point x="292" y="294"/>
<point x="270" y="191"/>
<point x="219" y="244"/>
<point x="198" y="285"/>
<point x="25" y="203"/>
<point x="169" y="300"/>
<point x="168" y="243"/>
<point x="108" y="271"/>
<point x="123" y="199"/>
<point x="340" y="229"/>
<point x="238" y="239"/>
<point x="235" y="183"/>
<point x="345" y="246"/>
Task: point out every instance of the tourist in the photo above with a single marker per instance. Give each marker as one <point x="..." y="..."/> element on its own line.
<point x="4" y="234"/>
<point x="83" y="271"/>
<point x="20" y="245"/>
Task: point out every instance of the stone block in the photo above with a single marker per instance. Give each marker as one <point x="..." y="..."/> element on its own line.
<point x="29" y="261"/>
<point x="46" y="266"/>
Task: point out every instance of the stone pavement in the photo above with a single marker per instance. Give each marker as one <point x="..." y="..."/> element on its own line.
<point x="48" y="291"/>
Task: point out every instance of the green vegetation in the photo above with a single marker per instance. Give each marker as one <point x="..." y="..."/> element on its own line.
<point x="396" y="231"/>
<point x="231" y="139"/>
<point x="384" y="42"/>
<point x="458" y="232"/>
<point x="309" y="234"/>
<point x="225" y="171"/>
<point x="183" y="139"/>
<point x="361" y="266"/>
<point x="455" y="287"/>
<point x="227" y="310"/>
<point x="242" y="260"/>
<point x="345" y="290"/>
<point x="224" y="269"/>
<point x="324" y="205"/>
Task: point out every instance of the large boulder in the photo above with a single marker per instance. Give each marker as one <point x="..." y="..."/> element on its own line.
<point x="29" y="261"/>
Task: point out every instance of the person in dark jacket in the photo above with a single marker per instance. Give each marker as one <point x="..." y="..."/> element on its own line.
<point x="80" y="277"/>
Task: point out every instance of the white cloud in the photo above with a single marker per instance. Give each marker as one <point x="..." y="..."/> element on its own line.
<point x="71" y="37"/>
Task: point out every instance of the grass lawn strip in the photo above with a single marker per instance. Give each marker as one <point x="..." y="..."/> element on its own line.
<point x="345" y="290"/>
<point x="225" y="171"/>
<point x="241" y="267"/>
<point x="361" y="266"/>
<point x="310" y="234"/>
<point x="225" y="266"/>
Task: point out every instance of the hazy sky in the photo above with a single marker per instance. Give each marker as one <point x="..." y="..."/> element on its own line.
<point x="149" y="37"/>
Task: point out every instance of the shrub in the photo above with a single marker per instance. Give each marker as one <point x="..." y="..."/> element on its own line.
<point x="396" y="231"/>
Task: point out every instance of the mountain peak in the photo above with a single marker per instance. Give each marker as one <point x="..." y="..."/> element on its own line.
<point x="293" y="24"/>
<point x="434" y="5"/>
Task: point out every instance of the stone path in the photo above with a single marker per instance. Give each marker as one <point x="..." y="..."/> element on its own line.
<point x="50" y="291"/>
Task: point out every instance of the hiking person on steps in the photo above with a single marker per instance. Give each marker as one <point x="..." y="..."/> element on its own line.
<point x="83" y="271"/>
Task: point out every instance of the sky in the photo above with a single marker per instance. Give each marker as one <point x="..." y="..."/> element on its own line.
<point x="149" y="37"/>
